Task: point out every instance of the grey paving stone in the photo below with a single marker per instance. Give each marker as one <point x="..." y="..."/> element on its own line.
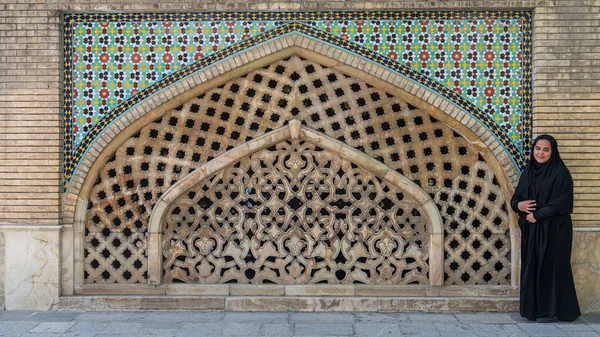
<point x="595" y="327"/>
<point x="376" y="329"/>
<point x="508" y="330"/>
<point x="189" y="317"/>
<point x="52" y="327"/>
<point x="78" y="334"/>
<point x="215" y="328"/>
<point x="418" y="329"/>
<point x="123" y="326"/>
<point x="195" y="333"/>
<point x="258" y="317"/>
<point x="160" y="326"/>
<point x="41" y="334"/>
<point x="584" y="334"/>
<point x="375" y="317"/>
<point x="518" y="318"/>
<point x="591" y="318"/>
<point x="578" y="325"/>
<point x="432" y="318"/>
<point x="322" y="317"/>
<point x="453" y="328"/>
<point x="241" y="329"/>
<point x="484" y="318"/>
<point x="53" y="316"/>
<point x="88" y="326"/>
<point x="13" y="328"/>
<point x="276" y="329"/>
<point x="319" y="329"/>
<point x="104" y="316"/>
<point x="542" y="329"/>
<point x="160" y="333"/>
<point x="15" y="315"/>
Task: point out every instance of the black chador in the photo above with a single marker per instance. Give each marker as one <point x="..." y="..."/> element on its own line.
<point x="547" y="287"/>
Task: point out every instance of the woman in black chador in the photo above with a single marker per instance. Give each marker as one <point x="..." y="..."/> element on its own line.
<point x="544" y="201"/>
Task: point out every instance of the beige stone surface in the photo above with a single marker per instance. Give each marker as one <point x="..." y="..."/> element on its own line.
<point x="480" y="291"/>
<point x="389" y="290"/>
<point x="263" y="304"/>
<point x="445" y="304"/>
<point x="291" y="303"/>
<point x="585" y="261"/>
<point x="340" y="304"/>
<point x="66" y="261"/>
<point x="154" y="258"/>
<point x="2" y="270"/>
<point x="318" y="289"/>
<point x="256" y="289"/>
<point x="91" y="303"/>
<point x="32" y="257"/>
<point x="436" y="255"/>
<point x="197" y="289"/>
<point x="182" y="303"/>
<point x="120" y="289"/>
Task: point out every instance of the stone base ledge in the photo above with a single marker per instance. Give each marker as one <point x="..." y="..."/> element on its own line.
<point x="289" y="303"/>
<point x="321" y="290"/>
<point x="4" y="227"/>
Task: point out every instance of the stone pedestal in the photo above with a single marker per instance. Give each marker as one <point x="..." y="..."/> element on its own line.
<point x="1" y="270"/>
<point x="585" y="261"/>
<point x="31" y="268"/>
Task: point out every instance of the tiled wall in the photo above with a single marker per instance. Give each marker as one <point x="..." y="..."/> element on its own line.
<point x="479" y="60"/>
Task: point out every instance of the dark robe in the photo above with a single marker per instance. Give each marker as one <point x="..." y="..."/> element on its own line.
<point x="547" y="287"/>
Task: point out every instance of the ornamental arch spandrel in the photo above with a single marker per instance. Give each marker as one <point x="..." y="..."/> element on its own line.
<point x="399" y="123"/>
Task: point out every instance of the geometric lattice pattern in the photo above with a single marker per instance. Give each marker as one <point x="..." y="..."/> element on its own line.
<point x="481" y="57"/>
<point x="295" y="214"/>
<point x="408" y="140"/>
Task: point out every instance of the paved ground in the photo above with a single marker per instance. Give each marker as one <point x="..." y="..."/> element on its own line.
<point x="184" y="324"/>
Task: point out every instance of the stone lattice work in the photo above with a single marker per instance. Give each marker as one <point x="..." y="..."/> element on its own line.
<point x="295" y="214"/>
<point x="383" y="126"/>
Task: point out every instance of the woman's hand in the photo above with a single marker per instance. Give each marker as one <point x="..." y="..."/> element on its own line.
<point x="527" y="206"/>
<point x="530" y="218"/>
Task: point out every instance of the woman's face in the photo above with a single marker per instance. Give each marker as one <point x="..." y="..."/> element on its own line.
<point x="542" y="151"/>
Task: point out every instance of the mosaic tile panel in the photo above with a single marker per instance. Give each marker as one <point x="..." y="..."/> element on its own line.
<point x="479" y="60"/>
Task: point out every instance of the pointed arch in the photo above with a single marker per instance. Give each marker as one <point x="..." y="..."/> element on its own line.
<point x="282" y="47"/>
<point x="295" y="130"/>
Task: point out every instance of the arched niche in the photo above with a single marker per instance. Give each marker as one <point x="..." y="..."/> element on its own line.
<point x="479" y="137"/>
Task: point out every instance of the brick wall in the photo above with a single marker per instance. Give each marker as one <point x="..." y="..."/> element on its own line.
<point x="567" y="94"/>
<point x="30" y="62"/>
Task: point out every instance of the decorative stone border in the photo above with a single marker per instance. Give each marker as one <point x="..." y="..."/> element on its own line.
<point x="76" y="197"/>
<point x="295" y="130"/>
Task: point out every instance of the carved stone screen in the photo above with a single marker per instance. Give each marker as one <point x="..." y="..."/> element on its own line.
<point x="404" y="137"/>
<point x="295" y="214"/>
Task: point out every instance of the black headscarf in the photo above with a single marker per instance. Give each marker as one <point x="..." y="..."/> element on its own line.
<point x="549" y="183"/>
